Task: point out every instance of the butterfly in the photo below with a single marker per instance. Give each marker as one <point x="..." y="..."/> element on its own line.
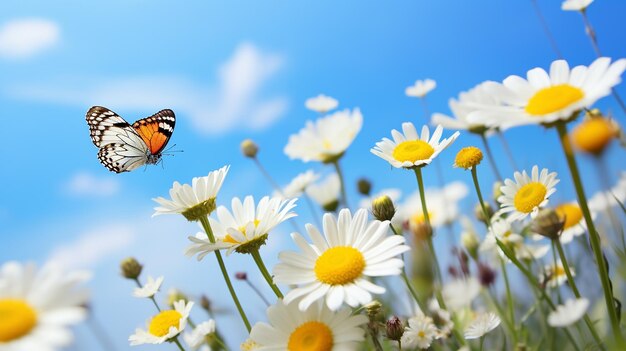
<point x="124" y="147"/>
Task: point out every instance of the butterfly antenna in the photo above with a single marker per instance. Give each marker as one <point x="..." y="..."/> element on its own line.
<point x="169" y="150"/>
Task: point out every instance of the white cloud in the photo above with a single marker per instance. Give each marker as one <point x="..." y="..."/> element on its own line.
<point x="235" y="101"/>
<point x="27" y="37"/>
<point x="86" y="184"/>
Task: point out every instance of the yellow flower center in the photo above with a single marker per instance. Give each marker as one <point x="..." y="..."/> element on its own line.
<point x="412" y="151"/>
<point x="17" y="318"/>
<point x="311" y="336"/>
<point x="552" y="99"/>
<point x="530" y="196"/>
<point x="468" y="157"/>
<point x="559" y="271"/>
<point x="161" y="323"/>
<point x="571" y="213"/>
<point x="593" y="135"/>
<point x="339" y="265"/>
<point x="421" y="334"/>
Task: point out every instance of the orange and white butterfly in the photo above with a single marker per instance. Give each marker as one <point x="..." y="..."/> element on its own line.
<point x="124" y="147"/>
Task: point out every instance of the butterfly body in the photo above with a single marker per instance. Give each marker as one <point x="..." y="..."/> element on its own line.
<point x="124" y="147"/>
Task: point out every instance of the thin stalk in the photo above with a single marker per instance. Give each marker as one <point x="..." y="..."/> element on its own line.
<point x="218" y="255"/>
<point x="344" y="198"/>
<point x="482" y="341"/>
<point x="594" y="238"/>
<point x="268" y="277"/>
<point x="572" y="284"/>
<point x="267" y="176"/>
<point x="406" y="278"/>
<point x="100" y="333"/>
<point x="492" y="161"/>
<point x="151" y="297"/>
<point x="507" y="149"/>
<point x="257" y="291"/>
<point x="509" y="299"/>
<point x="546" y="29"/>
<point x="180" y="347"/>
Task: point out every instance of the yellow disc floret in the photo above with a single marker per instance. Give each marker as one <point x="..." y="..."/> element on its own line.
<point x="17" y="318"/>
<point x="468" y="157"/>
<point x="530" y="196"/>
<point x="553" y="99"/>
<point x="594" y="135"/>
<point x="570" y="213"/>
<point x="311" y="336"/>
<point x="412" y="151"/>
<point x="339" y="265"/>
<point x="161" y="323"/>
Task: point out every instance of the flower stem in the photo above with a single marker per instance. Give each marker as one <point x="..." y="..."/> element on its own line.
<point x="268" y="277"/>
<point x="492" y="161"/>
<point x="268" y="176"/>
<point x="180" y="347"/>
<point x="509" y="299"/>
<point x="594" y="238"/>
<point x="344" y="198"/>
<point x="482" y="341"/>
<point x="258" y="292"/>
<point x="507" y="149"/>
<point x="207" y="228"/>
<point x="546" y="29"/>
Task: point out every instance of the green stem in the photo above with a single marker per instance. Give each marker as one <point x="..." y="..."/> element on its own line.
<point x="507" y="149"/>
<point x="207" y="228"/>
<point x="180" y="347"/>
<point x="492" y="160"/>
<point x="594" y="238"/>
<point x="344" y="198"/>
<point x="268" y="277"/>
<point x="509" y="299"/>
<point x="482" y="341"/>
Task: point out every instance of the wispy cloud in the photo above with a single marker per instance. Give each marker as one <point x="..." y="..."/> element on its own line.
<point x="237" y="95"/>
<point x="86" y="184"/>
<point x="27" y="37"/>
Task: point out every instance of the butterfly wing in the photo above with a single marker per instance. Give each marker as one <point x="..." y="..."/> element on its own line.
<point x="128" y="153"/>
<point x="156" y="130"/>
<point x="105" y="125"/>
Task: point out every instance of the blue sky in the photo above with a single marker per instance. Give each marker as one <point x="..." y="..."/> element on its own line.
<point x="235" y="70"/>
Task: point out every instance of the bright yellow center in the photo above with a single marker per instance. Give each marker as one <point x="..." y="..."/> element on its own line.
<point x="311" y="336"/>
<point x="530" y="196"/>
<point x="17" y="318"/>
<point x="418" y="218"/>
<point x="412" y="151"/>
<point x="558" y="271"/>
<point x="593" y="135"/>
<point x="553" y="99"/>
<point x="161" y="323"/>
<point x="571" y="213"/>
<point x="421" y="334"/>
<point x="468" y="157"/>
<point x="339" y="265"/>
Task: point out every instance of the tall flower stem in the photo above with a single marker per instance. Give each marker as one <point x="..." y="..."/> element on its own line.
<point x="405" y="278"/>
<point x="594" y="238"/>
<point x="207" y="228"/>
<point x="509" y="297"/>
<point x="268" y="277"/>
<point x="572" y="284"/>
<point x="180" y="347"/>
<point x="258" y="292"/>
<point x="344" y="198"/>
<point x="546" y="29"/>
<point x="507" y="150"/>
<point x="492" y="161"/>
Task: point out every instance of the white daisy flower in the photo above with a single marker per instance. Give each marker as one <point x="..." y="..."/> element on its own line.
<point x="326" y="193"/>
<point x="150" y="288"/>
<point x="421" y="88"/>
<point x="245" y="229"/>
<point x="420" y="332"/>
<point x="38" y="307"/>
<point x="481" y="325"/>
<point x="314" y="328"/>
<point x="460" y="293"/>
<point x="604" y="200"/>
<point x="321" y="103"/>
<point x="555" y="274"/>
<point x="467" y="103"/>
<point x="443" y="206"/>
<point x="527" y="194"/>
<point x="299" y="184"/>
<point x="164" y="326"/>
<point x="198" y="335"/>
<point x="549" y="97"/>
<point x="195" y="200"/>
<point x="393" y="193"/>
<point x="408" y="149"/>
<point x="327" y="138"/>
<point x="336" y="266"/>
<point x="502" y="230"/>
<point x="568" y="313"/>
<point x="575" y="5"/>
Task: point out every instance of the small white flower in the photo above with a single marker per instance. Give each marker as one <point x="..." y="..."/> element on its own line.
<point x="299" y="184"/>
<point x="481" y="325"/>
<point x="527" y="194"/>
<point x="460" y="293"/>
<point x="326" y="193"/>
<point x="575" y="5"/>
<point x="197" y="337"/>
<point x="321" y="103"/>
<point x="421" y="88"/>
<point x="420" y="332"/>
<point x="408" y="149"/>
<point x="164" y="326"/>
<point x="555" y="274"/>
<point x="150" y="288"/>
<point x="568" y="313"/>
<point x="327" y="138"/>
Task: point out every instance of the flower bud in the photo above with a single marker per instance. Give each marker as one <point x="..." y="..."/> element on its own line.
<point x="395" y="329"/>
<point x="205" y="303"/>
<point x="486" y="275"/>
<point x="241" y="275"/>
<point x="548" y="223"/>
<point x="383" y="208"/>
<point x="131" y="268"/>
<point x="470" y="242"/>
<point x="372" y="309"/>
<point x="331" y="206"/>
<point x="364" y="186"/>
<point x="480" y="214"/>
<point x="468" y="157"/>
<point x="249" y="148"/>
<point x="594" y="134"/>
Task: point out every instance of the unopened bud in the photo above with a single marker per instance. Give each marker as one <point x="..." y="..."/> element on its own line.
<point x="470" y="242"/>
<point x="249" y="148"/>
<point x="480" y="213"/>
<point x="241" y="275"/>
<point x="486" y="275"/>
<point x="383" y="208"/>
<point x="372" y="309"/>
<point x="364" y="186"/>
<point x="548" y="223"/>
<point x="131" y="268"/>
<point x="205" y="303"/>
<point x="395" y="329"/>
<point x="175" y="295"/>
<point x="331" y="206"/>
